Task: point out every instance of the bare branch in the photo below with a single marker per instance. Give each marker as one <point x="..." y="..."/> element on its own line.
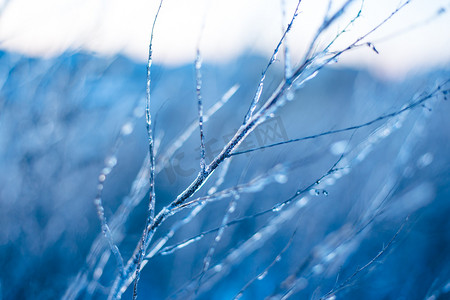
<point x="151" y="206"/>
<point x="259" y="90"/>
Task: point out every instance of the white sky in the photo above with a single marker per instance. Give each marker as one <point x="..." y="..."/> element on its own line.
<point x="232" y="27"/>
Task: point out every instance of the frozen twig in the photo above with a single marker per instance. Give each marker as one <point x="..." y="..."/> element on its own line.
<point x="178" y="143"/>
<point x="271" y="61"/>
<point x="151" y="205"/>
<point x="218" y="237"/>
<point x="197" y="209"/>
<point x="263" y="274"/>
<point x="351" y="278"/>
<point x="327" y="21"/>
<point x="347" y="234"/>
<point x="198" y="89"/>
<point x="284" y="210"/>
<point x="101" y="215"/>
<point x="110" y="163"/>
<point x="417" y="103"/>
<point x="344" y="30"/>
<point x="137" y="192"/>
<point x="287" y="54"/>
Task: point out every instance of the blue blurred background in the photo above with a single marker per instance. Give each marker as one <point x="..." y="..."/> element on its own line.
<point x="65" y="116"/>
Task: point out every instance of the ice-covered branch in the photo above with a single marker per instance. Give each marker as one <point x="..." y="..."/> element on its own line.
<point x="414" y="104"/>
<point x="271" y="61"/>
<point x="151" y="205"/>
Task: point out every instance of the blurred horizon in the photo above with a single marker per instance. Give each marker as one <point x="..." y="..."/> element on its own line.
<point x="410" y="42"/>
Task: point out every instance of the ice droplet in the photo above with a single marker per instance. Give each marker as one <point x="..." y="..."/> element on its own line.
<point x="232" y="208"/>
<point x="262" y="276"/>
<point x="330" y="256"/>
<point x="106" y="171"/>
<point x="111" y="161"/>
<point x="386" y="132"/>
<point x="278" y="207"/>
<point x="101" y="178"/>
<point x="257" y="236"/>
<point x="218" y="268"/>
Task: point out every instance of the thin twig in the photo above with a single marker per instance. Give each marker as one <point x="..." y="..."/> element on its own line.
<point x="351" y="278"/>
<point x="198" y="89"/>
<point x="259" y="90"/>
<point x="151" y="205"/>
<point x="263" y="274"/>
<point x="412" y="105"/>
